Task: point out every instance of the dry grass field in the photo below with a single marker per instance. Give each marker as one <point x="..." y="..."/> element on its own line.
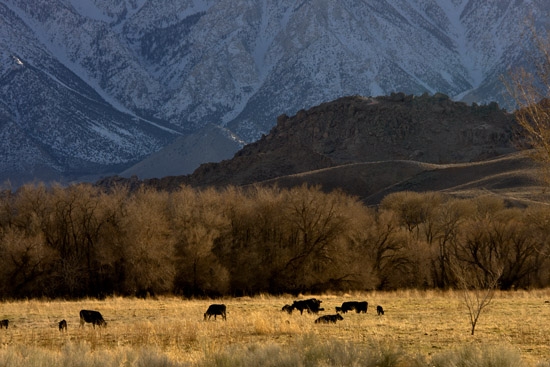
<point x="419" y="328"/>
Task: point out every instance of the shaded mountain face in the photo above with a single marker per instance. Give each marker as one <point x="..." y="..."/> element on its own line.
<point x="431" y="129"/>
<point x="89" y="87"/>
<point x="54" y="125"/>
<point x="187" y="152"/>
<point x="355" y="129"/>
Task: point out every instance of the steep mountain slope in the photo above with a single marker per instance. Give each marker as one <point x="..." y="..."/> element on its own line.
<point x="55" y="126"/>
<point x="186" y="153"/>
<point x="154" y="72"/>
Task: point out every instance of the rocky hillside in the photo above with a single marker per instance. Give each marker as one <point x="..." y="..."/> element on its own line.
<point x="372" y="146"/>
<point x="431" y="129"/>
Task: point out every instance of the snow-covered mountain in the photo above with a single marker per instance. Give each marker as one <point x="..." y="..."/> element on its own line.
<point x="90" y="87"/>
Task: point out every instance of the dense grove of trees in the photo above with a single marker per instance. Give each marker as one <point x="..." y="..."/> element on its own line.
<point x="79" y="241"/>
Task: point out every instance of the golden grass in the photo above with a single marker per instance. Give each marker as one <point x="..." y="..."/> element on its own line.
<point x="425" y="323"/>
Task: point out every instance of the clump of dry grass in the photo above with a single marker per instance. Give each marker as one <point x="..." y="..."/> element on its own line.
<point x="479" y="356"/>
<point x="307" y="350"/>
<point x="76" y="355"/>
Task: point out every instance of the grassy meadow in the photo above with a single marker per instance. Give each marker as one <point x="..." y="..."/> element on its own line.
<point x="419" y="328"/>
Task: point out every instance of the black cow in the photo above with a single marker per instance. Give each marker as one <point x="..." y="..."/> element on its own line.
<point x="288" y="308"/>
<point x="4" y="323"/>
<point x="311" y="305"/>
<point x="379" y="310"/>
<point x="353" y="305"/>
<point x="91" y="317"/>
<point x="62" y="325"/>
<point x="361" y="307"/>
<point x="326" y="319"/>
<point x="215" y="310"/>
<point x="348" y="306"/>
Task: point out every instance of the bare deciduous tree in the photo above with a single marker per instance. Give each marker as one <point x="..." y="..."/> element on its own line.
<point x="316" y="224"/>
<point x="146" y="248"/>
<point x="412" y="208"/>
<point x="477" y="291"/>
<point x="197" y="221"/>
<point x="385" y="244"/>
<point x="26" y="264"/>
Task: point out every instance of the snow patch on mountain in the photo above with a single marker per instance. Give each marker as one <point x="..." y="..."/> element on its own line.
<point x="88" y="9"/>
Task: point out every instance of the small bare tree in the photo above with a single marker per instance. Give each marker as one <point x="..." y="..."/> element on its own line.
<point x="477" y="290"/>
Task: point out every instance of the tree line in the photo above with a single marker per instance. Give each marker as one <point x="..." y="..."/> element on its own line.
<point x="80" y="241"/>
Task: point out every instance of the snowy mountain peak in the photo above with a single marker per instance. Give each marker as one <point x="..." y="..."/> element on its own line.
<point x="98" y="84"/>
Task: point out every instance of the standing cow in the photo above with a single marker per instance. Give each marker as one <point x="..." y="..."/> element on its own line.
<point x="4" y="323"/>
<point x="214" y="310"/>
<point x="62" y="325"/>
<point x="379" y="310"/>
<point x="311" y="305"/>
<point x="91" y="317"/>
<point x="347" y="306"/>
<point x="359" y="307"/>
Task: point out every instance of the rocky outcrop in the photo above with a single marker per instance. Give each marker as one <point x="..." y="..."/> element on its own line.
<point x="431" y="129"/>
<point x="354" y="129"/>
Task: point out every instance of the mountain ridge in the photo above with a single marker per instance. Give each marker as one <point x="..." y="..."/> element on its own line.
<point x="234" y="63"/>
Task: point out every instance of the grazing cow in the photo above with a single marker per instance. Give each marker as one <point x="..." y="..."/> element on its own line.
<point x="62" y="325"/>
<point x="379" y="310"/>
<point x="326" y="319"/>
<point x="91" y="317"/>
<point x="353" y="305"/>
<point x="348" y="306"/>
<point x="4" y="323"/>
<point x="215" y="310"/>
<point x="288" y="308"/>
<point x="311" y="305"/>
<point x="361" y="307"/>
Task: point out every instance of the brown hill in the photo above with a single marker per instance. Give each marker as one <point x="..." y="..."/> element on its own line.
<point x="430" y="129"/>
<point x="514" y="177"/>
<point x="373" y="146"/>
